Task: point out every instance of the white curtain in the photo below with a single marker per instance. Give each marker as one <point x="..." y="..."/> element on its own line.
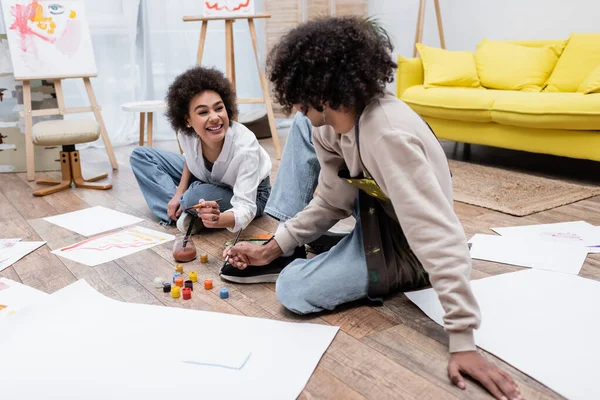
<point x="171" y="45"/>
<point x="113" y="27"/>
<point x="140" y="46"/>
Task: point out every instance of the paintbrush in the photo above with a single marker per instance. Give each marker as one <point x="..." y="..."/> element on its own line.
<point x="234" y="242"/>
<point x="193" y="221"/>
<point x="189" y="231"/>
<point x="199" y="205"/>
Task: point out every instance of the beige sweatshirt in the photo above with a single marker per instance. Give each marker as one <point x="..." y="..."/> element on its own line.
<point x="408" y="163"/>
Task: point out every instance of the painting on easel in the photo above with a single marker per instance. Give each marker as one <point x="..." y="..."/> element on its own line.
<point x="48" y="38"/>
<point x="227" y="8"/>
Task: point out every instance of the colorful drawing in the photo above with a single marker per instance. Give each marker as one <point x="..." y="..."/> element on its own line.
<point x="561" y="236"/>
<point x="132" y="238"/>
<point x="219" y="8"/>
<point x="48" y="38"/>
<point x="110" y="246"/>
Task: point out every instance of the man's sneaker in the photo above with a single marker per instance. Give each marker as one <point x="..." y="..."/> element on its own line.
<point x="325" y="242"/>
<point x="261" y="274"/>
<point x="183" y="223"/>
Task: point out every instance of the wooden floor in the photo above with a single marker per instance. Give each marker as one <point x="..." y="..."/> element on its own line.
<point x="388" y="352"/>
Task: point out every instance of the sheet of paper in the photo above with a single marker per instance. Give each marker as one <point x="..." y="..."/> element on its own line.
<point x="543" y="323"/>
<point x="110" y="349"/>
<point x="108" y="247"/>
<point x="529" y="252"/>
<point x="6" y="244"/>
<point x="18" y="251"/>
<point x="94" y="220"/>
<point x="579" y="232"/>
<point x="15" y="295"/>
<point x="595" y="249"/>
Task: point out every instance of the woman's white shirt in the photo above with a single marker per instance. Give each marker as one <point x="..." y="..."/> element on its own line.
<point x="242" y="165"/>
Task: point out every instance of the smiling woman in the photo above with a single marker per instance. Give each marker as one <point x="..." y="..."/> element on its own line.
<point x="222" y="159"/>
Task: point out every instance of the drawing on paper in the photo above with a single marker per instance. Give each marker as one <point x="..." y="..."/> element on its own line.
<point x="561" y="236"/>
<point x="215" y="8"/>
<point x="48" y="38"/>
<point x="131" y="238"/>
<point x="110" y="246"/>
<point x="7" y="243"/>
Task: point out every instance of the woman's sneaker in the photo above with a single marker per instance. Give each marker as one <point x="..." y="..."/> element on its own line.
<point x="261" y="274"/>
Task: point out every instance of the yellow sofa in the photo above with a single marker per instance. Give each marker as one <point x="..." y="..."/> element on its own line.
<point x="562" y="124"/>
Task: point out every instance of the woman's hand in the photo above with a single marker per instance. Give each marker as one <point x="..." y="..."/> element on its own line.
<point x="209" y="213"/>
<point x="174" y="208"/>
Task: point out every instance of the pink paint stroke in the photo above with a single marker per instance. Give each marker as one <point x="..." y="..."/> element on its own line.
<point x="216" y="6"/>
<point x="22" y="15"/>
<point x="70" y="39"/>
<point x="111" y="246"/>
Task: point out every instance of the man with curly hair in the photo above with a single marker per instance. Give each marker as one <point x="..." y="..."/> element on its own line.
<point x="221" y="159"/>
<point x="381" y="162"/>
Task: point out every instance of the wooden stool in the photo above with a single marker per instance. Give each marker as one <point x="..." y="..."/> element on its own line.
<point x="67" y="133"/>
<point x="144" y="107"/>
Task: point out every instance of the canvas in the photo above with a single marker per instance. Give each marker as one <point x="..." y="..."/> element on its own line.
<point x="225" y="8"/>
<point x="48" y="38"/>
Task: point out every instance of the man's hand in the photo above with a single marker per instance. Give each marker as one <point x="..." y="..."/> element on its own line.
<point x="209" y="213"/>
<point x="174" y="208"/>
<point x="244" y="254"/>
<point x="495" y="380"/>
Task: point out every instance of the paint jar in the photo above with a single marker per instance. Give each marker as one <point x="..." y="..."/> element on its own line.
<point x="184" y="249"/>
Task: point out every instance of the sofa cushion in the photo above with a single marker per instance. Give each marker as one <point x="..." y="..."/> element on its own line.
<point x="580" y="57"/>
<point x="574" y="111"/>
<point x="507" y="66"/>
<point x="462" y="104"/>
<point x="448" y="68"/>
<point x="591" y="84"/>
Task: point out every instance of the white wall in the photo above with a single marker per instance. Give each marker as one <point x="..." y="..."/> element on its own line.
<point x="467" y="22"/>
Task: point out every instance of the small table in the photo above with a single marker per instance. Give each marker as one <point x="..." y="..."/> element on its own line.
<point x="144" y="107"/>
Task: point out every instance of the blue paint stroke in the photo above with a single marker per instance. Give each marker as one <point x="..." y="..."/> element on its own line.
<point x="220" y="365"/>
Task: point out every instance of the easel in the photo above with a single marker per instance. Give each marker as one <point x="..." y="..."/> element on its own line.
<point x="421" y="20"/>
<point x="230" y="63"/>
<point x="28" y="114"/>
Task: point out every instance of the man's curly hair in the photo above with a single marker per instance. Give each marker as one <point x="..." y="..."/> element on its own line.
<point x="191" y="83"/>
<point x="341" y="61"/>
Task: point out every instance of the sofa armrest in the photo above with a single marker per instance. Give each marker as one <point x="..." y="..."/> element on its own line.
<point x="410" y="73"/>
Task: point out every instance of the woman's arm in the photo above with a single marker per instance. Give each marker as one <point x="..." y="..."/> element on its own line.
<point x="173" y="207"/>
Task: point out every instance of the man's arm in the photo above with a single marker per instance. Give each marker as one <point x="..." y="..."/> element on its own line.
<point x="399" y="165"/>
<point x="333" y="201"/>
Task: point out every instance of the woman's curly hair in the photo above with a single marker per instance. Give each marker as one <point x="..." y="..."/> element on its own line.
<point x="341" y="61"/>
<point x="191" y="83"/>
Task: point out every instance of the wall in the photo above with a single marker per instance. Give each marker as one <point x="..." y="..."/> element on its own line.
<point x="467" y="22"/>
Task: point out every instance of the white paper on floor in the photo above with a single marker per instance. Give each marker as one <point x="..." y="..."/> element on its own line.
<point x="80" y="342"/>
<point x="544" y="323"/>
<point x="94" y="220"/>
<point x="529" y="252"/>
<point x="108" y="247"/>
<point x="16" y="252"/>
<point x="595" y="249"/>
<point x="14" y="296"/>
<point x="574" y="232"/>
<point x="6" y="244"/>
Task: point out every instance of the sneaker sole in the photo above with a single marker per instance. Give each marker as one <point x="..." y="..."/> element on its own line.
<point x="268" y="278"/>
